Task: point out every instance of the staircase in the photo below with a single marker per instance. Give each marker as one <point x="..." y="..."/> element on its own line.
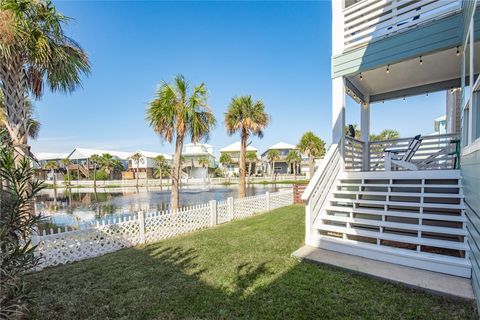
<point x="412" y="218"/>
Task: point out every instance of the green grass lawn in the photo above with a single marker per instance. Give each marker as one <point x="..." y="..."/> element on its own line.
<point x="240" y="270"/>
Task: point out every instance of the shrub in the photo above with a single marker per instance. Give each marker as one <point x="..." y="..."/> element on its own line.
<point x="17" y="222"/>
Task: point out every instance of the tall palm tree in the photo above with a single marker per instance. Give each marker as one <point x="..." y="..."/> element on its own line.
<point x="34" y="51"/>
<point x="225" y="160"/>
<point x="273" y="156"/>
<point x="95" y="160"/>
<point x="251" y="158"/>
<point x="176" y="112"/>
<point x="313" y="147"/>
<point x="110" y="164"/>
<point x="136" y="158"/>
<point x="204" y="162"/>
<point x="33" y="124"/>
<point x="247" y="117"/>
<point x="65" y="163"/>
<point x="52" y="166"/>
<point x="293" y="157"/>
<point x="160" y="163"/>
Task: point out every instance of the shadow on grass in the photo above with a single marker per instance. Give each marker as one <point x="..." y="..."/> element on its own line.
<point x="240" y="271"/>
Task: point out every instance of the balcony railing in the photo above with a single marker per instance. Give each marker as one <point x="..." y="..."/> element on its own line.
<point x="370" y="20"/>
<point x="436" y="152"/>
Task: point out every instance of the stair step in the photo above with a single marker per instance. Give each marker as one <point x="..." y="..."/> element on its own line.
<point x="448" y="186"/>
<point x="393" y="213"/>
<point x="398" y="238"/>
<point x="396" y="225"/>
<point x="401" y="194"/>
<point x="404" y="204"/>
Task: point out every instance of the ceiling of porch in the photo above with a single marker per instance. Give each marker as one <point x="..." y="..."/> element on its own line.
<point x="437" y="71"/>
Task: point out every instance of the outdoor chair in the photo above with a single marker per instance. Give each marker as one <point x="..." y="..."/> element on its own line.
<point x="401" y="156"/>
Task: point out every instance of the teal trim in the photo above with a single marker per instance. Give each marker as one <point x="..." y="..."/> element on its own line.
<point x="430" y="37"/>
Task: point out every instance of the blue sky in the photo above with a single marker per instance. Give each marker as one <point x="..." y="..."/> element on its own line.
<point x="276" y="51"/>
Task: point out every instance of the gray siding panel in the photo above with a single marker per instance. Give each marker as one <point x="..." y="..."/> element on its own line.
<point x="470" y="165"/>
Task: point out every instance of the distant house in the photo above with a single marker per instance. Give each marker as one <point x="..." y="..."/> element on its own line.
<point x="234" y="151"/>
<point x="44" y="157"/>
<point x="146" y="164"/>
<point x="441" y="125"/>
<point x="80" y="158"/>
<point x="192" y="157"/>
<point x="281" y="165"/>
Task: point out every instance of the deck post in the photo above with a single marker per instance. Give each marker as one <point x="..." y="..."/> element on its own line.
<point x="365" y="133"/>
<point x="338" y="116"/>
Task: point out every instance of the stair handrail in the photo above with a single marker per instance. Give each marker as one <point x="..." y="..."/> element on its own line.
<point x="325" y="165"/>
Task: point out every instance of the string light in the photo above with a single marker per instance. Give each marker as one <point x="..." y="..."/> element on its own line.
<point x="403" y="98"/>
<point x="421" y="60"/>
<point x="427" y="93"/>
<point x="388" y="68"/>
<point x="361" y="77"/>
<point x="451" y="90"/>
<point x="458" y="51"/>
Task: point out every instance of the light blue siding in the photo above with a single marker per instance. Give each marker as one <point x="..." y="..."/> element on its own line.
<point x="471" y="185"/>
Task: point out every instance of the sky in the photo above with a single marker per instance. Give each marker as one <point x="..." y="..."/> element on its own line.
<point x="276" y="51"/>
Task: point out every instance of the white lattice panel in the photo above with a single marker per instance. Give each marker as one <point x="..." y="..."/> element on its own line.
<point x="281" y="199"/>
<point x="77" y="245"/>
<point x="166" y="224"/>
<point x="248" y="206"/>
<point x="69" y="246"/>
<point x="222" y="212"/>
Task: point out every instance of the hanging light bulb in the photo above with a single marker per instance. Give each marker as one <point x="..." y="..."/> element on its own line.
<point x="451" y="90"/>
<point x="388" y="68"/>
<point x="458" y="51"/>
<point x="427" y="93"/>
<point x="361" y="77"/>
<point x="403" y="98"/>
<point x="421" y="60"/>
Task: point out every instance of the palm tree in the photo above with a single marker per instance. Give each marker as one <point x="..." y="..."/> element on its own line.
<point x="386" y="134"/>
<point x="110" y="164"/>
<point x="33" y="124"/>
<point x="204" y="162"/>
<point x="34" y="51"/>
<point x="225" y="160"/>
<point x="136" y="158"/>
<point x="52" y="166"/>
<point x="247" y="117"/>
<point x="313" y="147"/>
<point x="251" y="158"/>
<point x="160" y="163"/>
<point x="293" y="157"/>
<point x="65" y="163"/>
<point x="273" y="155"/>
<point x="177" y="112"/>
<point x="95" y="160"/>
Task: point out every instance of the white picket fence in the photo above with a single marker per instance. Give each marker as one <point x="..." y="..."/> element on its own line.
<point x="74" y="245"/>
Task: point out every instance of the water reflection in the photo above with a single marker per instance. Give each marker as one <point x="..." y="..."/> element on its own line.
<point x="77" y="208"/>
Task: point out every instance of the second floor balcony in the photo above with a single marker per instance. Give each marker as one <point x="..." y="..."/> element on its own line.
<point x="371" y="20"/>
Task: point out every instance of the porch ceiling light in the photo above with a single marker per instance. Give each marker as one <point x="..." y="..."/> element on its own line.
<point x="388" y="68"/>
<point x="361" y="77"/>
<point x="421" y="60"/>
<point x="458" y="51"/>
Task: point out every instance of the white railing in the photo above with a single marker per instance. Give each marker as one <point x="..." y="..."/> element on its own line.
<point x="67" y="245"/>
<point x="353" y="154"/>
<point x="319" y="187"/>
<point x="436" y="152"/>
<point x="370" y="20"/>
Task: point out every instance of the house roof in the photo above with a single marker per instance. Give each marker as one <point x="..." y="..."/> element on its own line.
<point x="150" y="154"/>
<point x="83" y="153"/>
<point x="50" y="156"/>
<point x="206" y="145"/>
<point x="442" y="118"/>
<point x="235" y="147"/>
<point x="281" y="146"/>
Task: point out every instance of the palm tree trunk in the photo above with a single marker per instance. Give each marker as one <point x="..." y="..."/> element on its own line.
<point x="161" y="177"/>
<point x="138" y="161"/>
<point x="311" y="166"/>
<point x="95" y="177"/>
<point x="175" y="201"/>
<point x="242" y="188"/>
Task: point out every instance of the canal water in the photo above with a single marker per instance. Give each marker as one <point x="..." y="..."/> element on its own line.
<point x="77" y="208"/>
